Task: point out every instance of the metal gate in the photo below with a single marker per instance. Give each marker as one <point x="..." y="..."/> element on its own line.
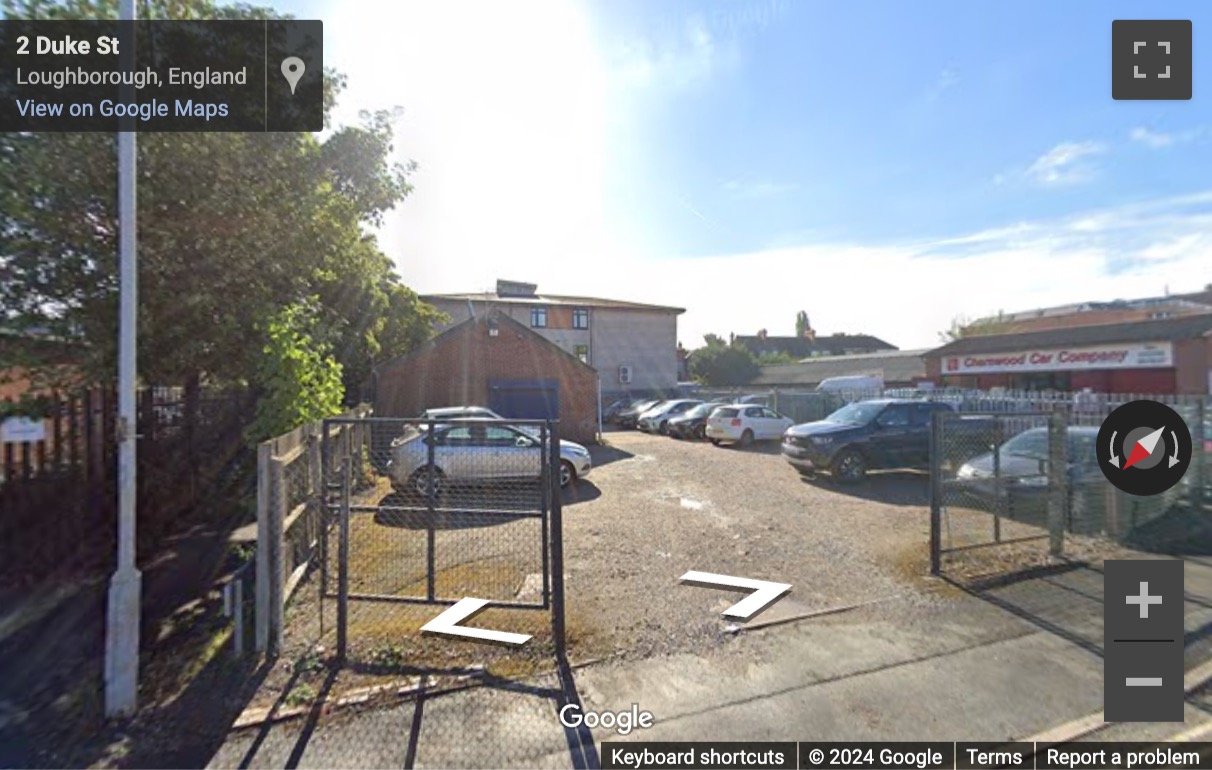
<point x="999" y="491"/>
<point x="424" y="514"/>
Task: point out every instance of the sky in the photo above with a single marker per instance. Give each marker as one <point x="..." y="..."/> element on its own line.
<point x="885" y="166"/>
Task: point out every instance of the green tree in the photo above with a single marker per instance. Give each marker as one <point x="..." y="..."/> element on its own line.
<point x="714" y="340"/>
<point x="801" y="323"/>
<point x="965" y="327"/>
<point x="717" y="365"/>
<point x="234" y="228"/>
<point x="300" y="379"/>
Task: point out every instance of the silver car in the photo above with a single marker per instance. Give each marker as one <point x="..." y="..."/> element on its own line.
<point x="474" y="451"/>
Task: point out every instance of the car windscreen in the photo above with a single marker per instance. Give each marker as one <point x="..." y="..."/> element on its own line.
<point x="859" y="413"/>
<point x="1032" y="443"/>
<point x="702" y="410"/>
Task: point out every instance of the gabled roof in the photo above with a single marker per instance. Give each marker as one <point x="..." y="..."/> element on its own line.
<point x="548" y="299"/>
<point x="803" y="347"/>
<point x="892" y="365"/>
<point x="1186" y="327"/>
<point x="502" y="320"/>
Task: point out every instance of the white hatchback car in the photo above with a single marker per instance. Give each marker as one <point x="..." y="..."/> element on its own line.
<point x="746" y="423"/>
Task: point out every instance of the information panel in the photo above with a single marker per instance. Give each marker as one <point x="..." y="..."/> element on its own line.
<point x="161" y="75"/>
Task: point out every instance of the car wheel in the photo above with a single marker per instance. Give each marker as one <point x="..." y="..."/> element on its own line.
<point x="715" y="442"/>
<point x="419" y="482"/>
<point x="849" y="467"/>
<point x="747" y="438"/>
<point x="663" y="428"/>
<point x="700" y="432"/>
<point x="568" y="474"/>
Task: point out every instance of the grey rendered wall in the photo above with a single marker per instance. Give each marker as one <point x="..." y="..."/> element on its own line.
<point x="644" y="340"/>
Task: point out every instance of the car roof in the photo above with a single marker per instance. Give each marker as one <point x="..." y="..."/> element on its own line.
<point x="1080" y="430"/>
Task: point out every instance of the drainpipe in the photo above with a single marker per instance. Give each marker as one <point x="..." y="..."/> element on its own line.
<point x="599" y="407"/>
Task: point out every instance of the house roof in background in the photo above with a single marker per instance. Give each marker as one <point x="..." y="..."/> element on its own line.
<point x="803" y="347"/>
<point x="893" y="366"/>
<point x="1185" y="327"/>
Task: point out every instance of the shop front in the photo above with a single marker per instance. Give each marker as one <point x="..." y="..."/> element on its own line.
<point x="1160" y="357"/>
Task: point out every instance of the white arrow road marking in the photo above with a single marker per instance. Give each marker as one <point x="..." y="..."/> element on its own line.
<point x="1174" y="457"/>
<point x="764" y="592"/>
<point x="1114" y="457"/>
<point x="464" y="609"/>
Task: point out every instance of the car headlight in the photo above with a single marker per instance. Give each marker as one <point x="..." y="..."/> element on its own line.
<point x="966" y="471"/>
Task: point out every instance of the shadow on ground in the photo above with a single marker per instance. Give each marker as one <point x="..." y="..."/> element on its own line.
<point x="605" y="455"/>
<point x="495" y="722"/>
<point x="904" y="488"/>
<point x="1066" y="598"/>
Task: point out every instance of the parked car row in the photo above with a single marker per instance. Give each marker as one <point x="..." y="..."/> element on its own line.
<point x="741" y="421"/>
<point x="861" y="436"/>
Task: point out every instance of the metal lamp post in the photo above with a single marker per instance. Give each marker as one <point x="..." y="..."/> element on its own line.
<point x="125" y="587"/>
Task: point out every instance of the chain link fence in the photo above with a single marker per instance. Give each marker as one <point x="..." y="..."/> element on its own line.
<point x="410" y="517"/>
<point x="1015" y="482"/>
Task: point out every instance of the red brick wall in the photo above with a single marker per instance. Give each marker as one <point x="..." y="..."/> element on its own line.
<point x="454" y="370"/>
<point x="1193" y="359"/>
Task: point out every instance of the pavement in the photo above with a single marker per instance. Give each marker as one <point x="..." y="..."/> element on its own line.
<point x="1008" y="662"/>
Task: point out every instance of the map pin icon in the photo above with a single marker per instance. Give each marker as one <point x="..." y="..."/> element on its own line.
<point x="292" y="70"/>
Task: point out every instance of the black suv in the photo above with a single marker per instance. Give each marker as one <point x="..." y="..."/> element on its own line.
<point x="865" y="435"/>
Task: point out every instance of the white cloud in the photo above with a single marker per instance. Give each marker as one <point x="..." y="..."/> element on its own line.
<point x="1151" y="138"/>
<point x="1066" y="163"/>
<point x="1159" y="139"/>
<point x="907" y="293"/>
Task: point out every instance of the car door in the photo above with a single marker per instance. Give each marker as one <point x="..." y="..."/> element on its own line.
<point x="455" y="452"/>
<point x="917" y="444"/>
<point x="776" y="424"/>
<point x="510" y="453"/>
<point x="891" y="437"/>
<point x="755" y="420"/>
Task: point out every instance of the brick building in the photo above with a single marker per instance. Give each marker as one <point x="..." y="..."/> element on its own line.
<point x="1164" y="356"/>
<point x="494" y="361"/>
<point x="631" y="344"/>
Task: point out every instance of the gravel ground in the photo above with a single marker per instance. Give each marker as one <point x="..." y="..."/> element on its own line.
<point x="656" y="507"/>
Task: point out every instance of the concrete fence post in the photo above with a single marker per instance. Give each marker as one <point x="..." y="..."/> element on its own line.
<point x="262" y="611"/>
<point x="277" y="579"/>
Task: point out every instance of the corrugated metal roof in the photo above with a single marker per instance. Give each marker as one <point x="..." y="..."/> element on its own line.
<point x="893" y="366"/>
<point x="550" y="299"/>
<point x="1185" y="327"/>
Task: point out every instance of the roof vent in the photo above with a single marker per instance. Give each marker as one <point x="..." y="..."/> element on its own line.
<point x="516" y="289"/>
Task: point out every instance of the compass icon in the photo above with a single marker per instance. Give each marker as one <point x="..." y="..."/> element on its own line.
<point x="1144" y="447"/>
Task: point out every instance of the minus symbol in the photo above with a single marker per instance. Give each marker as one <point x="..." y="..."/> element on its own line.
<point x="1144" y="681"/>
